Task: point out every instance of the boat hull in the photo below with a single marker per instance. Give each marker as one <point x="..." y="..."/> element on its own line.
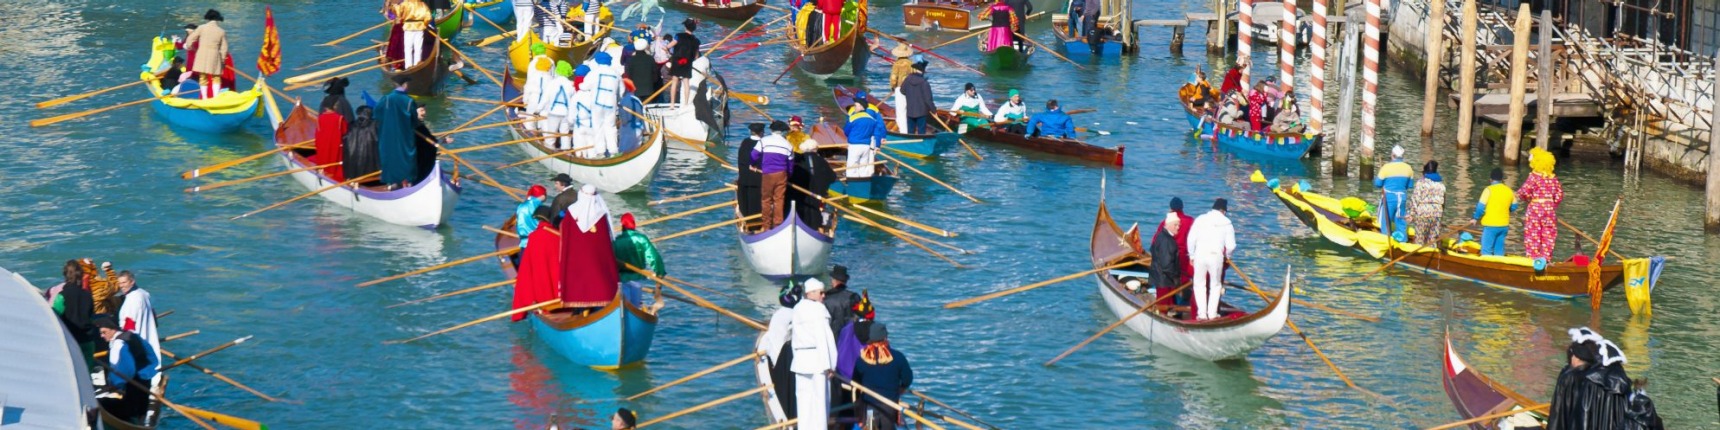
<point x="426" y="77"/>
<point x="426" y="204"/>
<point x="631" y="171"/>
<point x="520" y="52"/>
<point x="789" y="250"/>
<point x="1005" y="57"/>
<point x="919" y="148"/>
<point x="939" y="16"/>
<point x="451" y="25"/>
<point x="1276" y="145"/>
<point x="1474" y="394"/>
<point x="616" y="336"/>
<point x="826" y="59"/>
<point x="732" y="13"/>
<point x="874" y="189"/>
<point x="1062" y="147"/>
<point x="913" y="145"/>
<point x="496" y="11"/>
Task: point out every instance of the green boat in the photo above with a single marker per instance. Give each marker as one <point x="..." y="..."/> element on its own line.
<point x="1006" y="57"/>
<point x="450" y="25"/>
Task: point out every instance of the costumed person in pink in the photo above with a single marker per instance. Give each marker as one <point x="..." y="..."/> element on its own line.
<point x="539" y="271"/>
<point x="588" y="275"/>
<point x="1543" y="193"/>
<point x="1003" y="24"/>
<point x="1257" y="108"/>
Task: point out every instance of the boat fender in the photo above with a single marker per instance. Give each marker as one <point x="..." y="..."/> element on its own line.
<point x="1271" y="183"/>
<point x="1302" y="185"/>
<point x="1540" y="264"/>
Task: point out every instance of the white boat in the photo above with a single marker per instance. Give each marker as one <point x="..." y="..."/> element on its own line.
<point x="627" y="172"/>
<point x="773" y="412"/>
<point x="792" y="249"/>
<point x="681" y="120"/>
<point x="1218" y="339"/>
<point x="426" y="204"/>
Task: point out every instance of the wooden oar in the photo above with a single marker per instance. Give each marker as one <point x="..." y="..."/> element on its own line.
<point x="478" y="257"/>
<point x="898" y="234"/>
<point x="724" y="189"/>
<point x="504" y="188"/>
<point x="484" y="101"/>
<point x="696" y="375"/>
<point x="685" y="213"/>
<point x="1441" y="238"/>
<point x="85" y="95"/>
<point x="696" y="145"/>
<point x="1492" y="416"/>
<point x="1292" y="325"/>
<point x="958" y="64"/>
<point x="342" y="75"/>
<point x="193" y="173"/>
<point x="337" y="57"/>
<point x="544" y="157"/>
<point x="731" y="34"/>
<point x="224" y="419"/>
<point x="454" y="293"/>
<point x="502" y="232"/>
<point x="756" y="109"/>
<point x="75" y="115"/>
<point x="851" y="208"/>
<point x="975" y="33"/>
<point x="708" y="227"/>
<point x="482" y="115"/>
<point x="146" y="388"/>
<point x="699" y="301"/>
<point x="224" y="184"/>
<point x="702" y="287"/>
<point x="960" y="140"/>
<point x="1299" y="302"/>
<point x="951" y="408"/>
<point x="703" y="406"/>
<point x="1151" y="304"/>
<point x="791" y="64"/>
<point x="223" y="378"/>
<point x="317" y="75"/>
<point x="510" y="191"/>
<point x="493" y="39"/>
<point x="356" y="34"/>
<point x="957" y="249"/>
<point x="494" y="125"/>
<point x="552" y="302"/>
<point x="879" y="398"/>
<point x="749" y="98"/>
<point x="468" y="60"/>
<point x="493" y="145"/>
<point x="348" y="182"/>
<point x="1052" y="51"/>
<point x="205" y="353"/>
<point x="965" y="302"/>
<point x="179" y="336"/>
<point x="929" y="176"/>
<point x="1592" y="240"/>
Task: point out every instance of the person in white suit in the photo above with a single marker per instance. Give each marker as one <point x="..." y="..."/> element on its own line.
<point x="814" y="356"/>
<point x="1210" y="243"/>
<point x="556" y="106"/>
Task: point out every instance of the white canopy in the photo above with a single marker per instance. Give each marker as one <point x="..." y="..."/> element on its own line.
<point x="44" y="383"/>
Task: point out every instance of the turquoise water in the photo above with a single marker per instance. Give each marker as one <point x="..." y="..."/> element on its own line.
<point x="108" y="188"/>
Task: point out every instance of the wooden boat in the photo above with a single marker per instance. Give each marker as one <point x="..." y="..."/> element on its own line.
<point x="1559" y="280"/>
<point x="792" y="249"/>
<point x="629" y="171"/>
<point x="152" y="414"/>
<point x="520" y="51"/>
<point x="496" y="11"/>
<point x="447" y="27"/>
<point x="872" y="189"/>
<point x="227" y="112"/>
<point x="682" y="119"/>
<point x="1238" y="137"/>
<point x="1114" y="14"/>
<point x="616" y="336"/>
<point x="1227" y="337"/>
<point x="427" y="203"/>
<point x="1475" y="395"/>
<point x="733" y="11"/>
<point x="958" y="15"/>
<point x="1006" y="57"/>
<point x="926" y="145"/>
<point x="826" y="59"/>
<point x="773" y="411"/>
<point x="1064" y="147"/>
<point x="426" y="77"/>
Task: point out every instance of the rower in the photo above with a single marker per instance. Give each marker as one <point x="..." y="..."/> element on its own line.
<point x="1593" y="390"/>
<point x="812" y="173"/>
<point x="1395" y="180"/>
<point x="1543" y="193"/>
<point x="589" y="276"/>
<point x="132" y="365"/>
<point x="136" y="313"/>
<point x="884" y="370"/>
<point x="1166" y="270"/>
<point x="797" y="134"/>
<point x="524" y="224"/>
<point x="414" y="19"/>
<point x="555" y="103"/>
<point x="917" y="92"/>
<point x="550" y="23"/>
<point x="1010" y="112"/>
<point x="540" y="74"/>
<point x="523" y="18"/>
<point x="814" y="356"/>
<point x="539" y="267"/>
<point x="866" y="134"/>
<point x="971" y="102"/>
<point x="585" y="114"/>
<point x="643" y="70"/>
<point x="682" y="51"/>
<point x="839" y="300"/>
<point x="774" y="346"/>
<point x="1211" y="242"/>
<point x="565" y="195"/>
<point x="899" y="71"/>
<point x="772" y="156"/>
<point x="1493" y="211"/>
<point x="606" y="99"/>
<point x="632" y="247"/>
<point x="1051" y="123"/>
<point x="397" y="123"/>
<point x="1005" y="22"/>
<point x="331" y="129"/>
<point x="748" y="177"/>
<point x="1427" y="203"/>
<point x="208" y="47"/>
<point x="624" y="419"/>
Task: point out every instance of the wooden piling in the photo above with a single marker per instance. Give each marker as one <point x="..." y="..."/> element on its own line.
<point x="1435" y="55"/>
<point x="1245" y="41"/>
<point x="1370" y="83"/>
<point x="1544" y="85"/>
<point x="1317" y="75"/>
<point x="1466" y="77"/>
<point x="1287" y="48"/>
<point x="1519" y="84"/>
<point x="1223" y="24"/>
<point x="1177" y="40"/>
<point x="1712" y="191"/>
<point x="1346" y="103"/>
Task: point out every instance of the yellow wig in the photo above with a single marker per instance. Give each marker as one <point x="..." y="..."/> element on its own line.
<point x="1541" y="161"/>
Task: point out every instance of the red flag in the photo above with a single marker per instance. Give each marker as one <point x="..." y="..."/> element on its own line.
<point x="269" y="59"/>
<point x="1600" y="255"/>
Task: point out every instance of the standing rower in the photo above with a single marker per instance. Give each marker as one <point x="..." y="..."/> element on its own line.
<point x="1211" y="241"/>
<point x="133" y="365"/>
<point x="1427" y="204"/>
<point x="1493" y="210"/>
<point x="397" y="121"/>
<point x="814" y="357"/>
<point x="866" y="133"/>
<point x="208" y="44"/>
<point x="414" y="20"/>
<point x="1541" y="219"/>
<point x="1394" y="180"/>
<point x="633" y="248"/>
<point x="589" y="278"/>
<point x="136" y="314"/>
<point x="918" y="94"/>
<point x="538" y="274"/>
<point x="772" y="157"/>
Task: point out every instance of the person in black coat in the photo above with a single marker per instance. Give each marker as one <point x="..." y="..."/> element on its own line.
<point x="750" y="178"/>
<point x="917" y="92"/>
<point x="1592" y="391"/>
<point x="426" y="143"/>
<point x="78" y="310"/>
<point x="642" y="69"/>
<point x="335" y="88"/>
<point x="361" y="158"/>
<point x="1166" y="271"/>
<point x="812" y="172"/>
<point x="884" y="370"/>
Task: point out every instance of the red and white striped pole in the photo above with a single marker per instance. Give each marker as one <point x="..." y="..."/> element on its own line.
<point x="1287" y="49"/>
<point x="1317" y="79"/>
<point x="1370" y="78"/>
<point x="1245" y="40"/>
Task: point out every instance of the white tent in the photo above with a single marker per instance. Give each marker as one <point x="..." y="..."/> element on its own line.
<point x="44" y="383"/>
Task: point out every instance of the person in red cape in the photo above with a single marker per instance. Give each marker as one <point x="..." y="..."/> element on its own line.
<point x="588" y="276"/>
<point x="539" y="271"/>
<point x="331" y="128"/>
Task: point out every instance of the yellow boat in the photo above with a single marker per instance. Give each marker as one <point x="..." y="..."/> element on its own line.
<point x="520" y="52"/>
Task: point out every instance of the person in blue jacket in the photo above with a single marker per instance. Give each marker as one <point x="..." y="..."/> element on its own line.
<point x="884" y="370"/>
<point x="1395" y="180"/>
<point x="866" y="133"/>
<point x="1052" y="122"/>
<point x="132" y="366"/>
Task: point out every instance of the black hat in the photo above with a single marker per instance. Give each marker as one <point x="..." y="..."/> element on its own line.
<point x="190" y="26"/>
<point x="562" y="178"/>
<point x="335" y="86"/>
<point x="1497" y="175"/>
<point x="544" y="212"/>
<point x="840" y="273"/>
<point x="968" y="87"/>
<point x="778" y="126"/>
<point x="690" y="23"/>
<point x="756" y="128"/>
<point x="878" y="333"/>
<point x="860" y="100"/>
<point x="212" y="15"/>
<point x="1176" y="204"/>
<point x="921" y="66"/>
<point x="1220" y="205"/>
<point x="1430" y="167"/>
<point x="402" y="79"/>
<point x="627" y="416"/>
<point x="107" y="323"/>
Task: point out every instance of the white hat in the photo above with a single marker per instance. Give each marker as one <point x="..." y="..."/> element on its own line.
<point x="813" y="285"/>
<point x="1397" y="151"/>
<point x="1133" y="284"/>
<point x="640" y="44"/>
<point x="1584" y="334"/>
<point x="809" y="146"/>
<point x="1610" y="354"/>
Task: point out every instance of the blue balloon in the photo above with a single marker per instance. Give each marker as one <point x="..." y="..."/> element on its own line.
<point x="1272" y="183"/>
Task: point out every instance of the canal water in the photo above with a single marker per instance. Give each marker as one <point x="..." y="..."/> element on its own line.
<point x="107" y="187"/>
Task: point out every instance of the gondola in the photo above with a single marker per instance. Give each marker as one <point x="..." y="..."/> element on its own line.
<point x="614" y="336"/>
<point x="721" y="9"/>
<point x="496" y="11"/>
<point x="520" y="51"/>
<point x="427" y="203"/>
<point x="630" y="171"/>
<point x="1058" y="146"/>
<point x="1232" y="335"/>
<point x="1007" y="57"/>
<point x="1237" y="136"/>
<point x="871" y="189"/>
<point x="1475" y="395"/>
<point x="426" y="77"/>
<point x="926" y="145"/>
<point x="227" y="112"/>
<point x="1114" y="14"/>
<point x="152" y="413"/>
<point x="447" y="27"/>
<point x="681" y="120"/>
<point x="827" y="58"/>
<point x="791" y="249"/>
<point x="1558" y="280"/>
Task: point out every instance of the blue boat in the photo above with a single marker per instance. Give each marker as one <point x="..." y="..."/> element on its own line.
<point x="872" y="189"/>
<point x="1120" y="41"/>
<point x="1276" y="145"/>
<point x="497" y="12"/>
<point x="913" y="145"/>
<point x="615" y="336"/>
<point x="224" y="113"/>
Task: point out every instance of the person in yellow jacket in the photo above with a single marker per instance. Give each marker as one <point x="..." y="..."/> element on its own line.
<point x="1493" y="210"/>
<point x="414" y="19"/>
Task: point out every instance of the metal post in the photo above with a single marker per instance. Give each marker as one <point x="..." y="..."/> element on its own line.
<point x="1466" y="77"/>
<point x="1519" y="84"/>
<point x="1317" y="76"/>
<point x="1370" y="83"/>
<point x="1435" y="29"/>
<point x="1544" y="86"/>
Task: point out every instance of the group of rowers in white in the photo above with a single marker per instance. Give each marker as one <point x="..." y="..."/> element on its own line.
<point x="580" y="104"/>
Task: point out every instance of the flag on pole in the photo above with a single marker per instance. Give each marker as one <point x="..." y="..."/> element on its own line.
<point x="269" y="59"/>
<point x="1600" y="255"/>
